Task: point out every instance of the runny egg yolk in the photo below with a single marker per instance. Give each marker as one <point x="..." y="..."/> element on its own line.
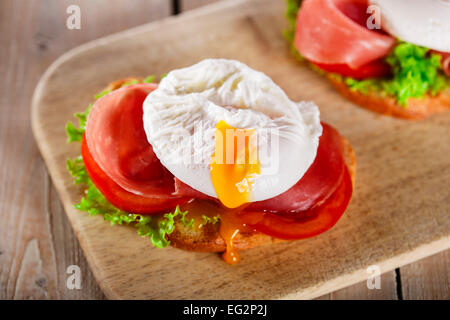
<point x="234" y="164"/>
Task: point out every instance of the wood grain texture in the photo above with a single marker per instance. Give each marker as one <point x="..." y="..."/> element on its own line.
<point x="428" y="278"/>
<point x="399" y="212"/>
<point x="37" y="242"/>
<point x="360" y="291"/>
<point x="186" y="5"/>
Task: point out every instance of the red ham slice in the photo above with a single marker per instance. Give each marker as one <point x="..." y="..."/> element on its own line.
<point x="332" y="32"/>
<point x="184" y="190"/>
<point x="445" y="62"/>
<point x="117" y="142"/>
<point x="317" y="184"/>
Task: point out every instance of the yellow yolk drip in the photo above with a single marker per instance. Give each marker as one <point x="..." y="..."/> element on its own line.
<point x="229" y="229"/>
<point x="228" y="225"/>
<point x="234" y="165"/>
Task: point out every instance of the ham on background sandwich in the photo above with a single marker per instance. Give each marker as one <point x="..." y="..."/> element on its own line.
<point x="392" y="57"/>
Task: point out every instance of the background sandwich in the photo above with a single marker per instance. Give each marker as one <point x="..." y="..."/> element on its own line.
<point x="392" y="57"/>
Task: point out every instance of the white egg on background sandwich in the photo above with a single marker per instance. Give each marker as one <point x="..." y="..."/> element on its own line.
<point x="422" y="22"/>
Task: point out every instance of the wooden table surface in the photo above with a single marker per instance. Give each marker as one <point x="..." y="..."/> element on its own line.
<point x="37" y="243"/>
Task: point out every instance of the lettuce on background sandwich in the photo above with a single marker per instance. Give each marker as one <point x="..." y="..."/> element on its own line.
<point x="392" y="57"/>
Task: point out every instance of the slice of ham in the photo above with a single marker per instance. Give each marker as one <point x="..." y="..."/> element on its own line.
<point x="334" y="32"/>
<point x="117" y="142"/>
<point x="445" y="61"/>
<point x="184" y="190"/>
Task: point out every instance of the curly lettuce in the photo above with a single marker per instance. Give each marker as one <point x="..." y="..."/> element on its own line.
<point x="156" y="228"/>
<point x="212" y="220"/>
<point x="75" y="134"/>
<point x="415" y="73"/>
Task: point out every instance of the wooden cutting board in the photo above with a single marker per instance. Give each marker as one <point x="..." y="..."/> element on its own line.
<point x="400" y="211"/>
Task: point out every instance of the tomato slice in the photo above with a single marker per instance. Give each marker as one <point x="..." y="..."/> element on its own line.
<point x="306" y="224"/>
<point x="121" y="198"/>
<point x="374" y="69"/>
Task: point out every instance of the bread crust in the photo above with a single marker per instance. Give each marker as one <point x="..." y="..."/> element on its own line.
<point x="416" y="109"/>
<point x="120" y="83"/>
<point x="208" y="238"/>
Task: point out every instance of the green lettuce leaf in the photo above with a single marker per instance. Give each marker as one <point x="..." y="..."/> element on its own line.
<point x="416" y="73"/>
<point x="363" y="86"/>
<point x="292" y="7"/>
<point x="129" y="83"/>
<point x="77" y="170"/>
<point x="101" y="94"/>
<point x="212" y="220"/>
<point x="75" y="134"/>
<point x="149" y="79"/>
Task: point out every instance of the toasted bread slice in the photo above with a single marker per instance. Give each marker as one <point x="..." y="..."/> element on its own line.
<point x="208" y="239"/>
<point x="416" y="109"/>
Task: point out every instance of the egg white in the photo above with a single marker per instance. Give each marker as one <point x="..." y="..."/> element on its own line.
<point x="422" y="22"/>
<point x="180" y="119"/>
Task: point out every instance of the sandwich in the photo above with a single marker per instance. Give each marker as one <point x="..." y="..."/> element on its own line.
<point x="392" y="57"/>
<point x="213" y="158"/>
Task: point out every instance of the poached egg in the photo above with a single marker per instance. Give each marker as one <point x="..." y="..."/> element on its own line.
<point x="230" y="132"/>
